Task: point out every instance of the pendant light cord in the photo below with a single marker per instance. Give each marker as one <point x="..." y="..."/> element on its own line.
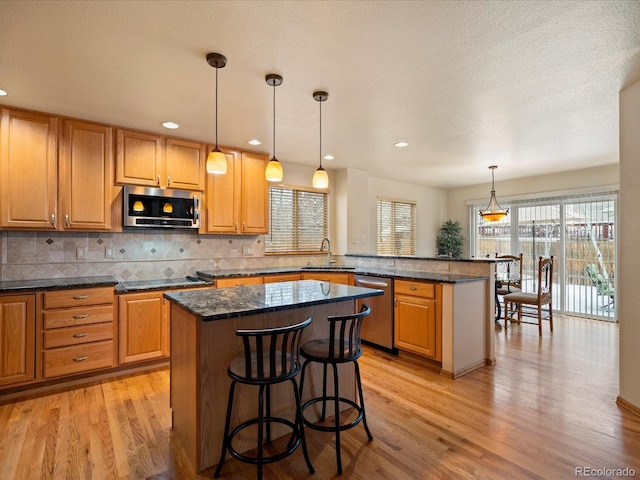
<point x="217" y="106"/>
<point x="274" y="120"/>
<point x="320" y="102"/>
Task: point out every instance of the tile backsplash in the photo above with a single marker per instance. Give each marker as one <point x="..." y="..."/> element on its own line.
<point x="135" y="255"/>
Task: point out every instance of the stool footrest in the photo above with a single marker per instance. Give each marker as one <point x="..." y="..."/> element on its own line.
<point x="292" y="443"/>
<point x="332" y="428"/>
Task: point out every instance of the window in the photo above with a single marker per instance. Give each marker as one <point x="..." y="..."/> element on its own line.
<point x="298" y="219"/>
<point x="396" y="227"/>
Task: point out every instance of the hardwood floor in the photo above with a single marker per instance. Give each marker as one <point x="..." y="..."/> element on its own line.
<point x="547" y="408"/>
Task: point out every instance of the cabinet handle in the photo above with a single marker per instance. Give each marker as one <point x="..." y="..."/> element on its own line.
<point x="80" y="335"/>
<point x="413" y="288"/>
<point x="81" y="297"/>
<point x="244" y="227"/>
<point x="158" y="179"/>
<point x="168" y="180"/>
<point x="66" y="220"/>
<point x="395" y="302"/>
<point x="78" y="317"/>
<point x="236" y="227"/>
<point x="53" y="219"/>
<point x="80" y="359"/>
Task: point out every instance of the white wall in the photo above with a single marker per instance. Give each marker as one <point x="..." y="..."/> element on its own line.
<point x="578" y="180"/>
<point x="628" y="301"/>
<point x="431" y="211"/>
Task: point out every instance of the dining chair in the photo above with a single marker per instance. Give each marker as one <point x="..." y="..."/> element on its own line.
<point x="508" y="276"/>
<point x="539" y="299"/>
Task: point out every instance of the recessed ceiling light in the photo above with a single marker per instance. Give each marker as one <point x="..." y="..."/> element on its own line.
<point x="254" y="141"/>
<point x="401" y="144"/>
<point x="328" y="157"/>
<point x="170" y="125"/>
<point x="3" y="93"/>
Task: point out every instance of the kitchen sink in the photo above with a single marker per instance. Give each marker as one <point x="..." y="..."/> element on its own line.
<point x="328" y="267"/>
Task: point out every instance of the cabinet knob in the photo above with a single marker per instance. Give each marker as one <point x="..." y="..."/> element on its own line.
<point x="53" y="219"/>
<point x="66" y="220"/>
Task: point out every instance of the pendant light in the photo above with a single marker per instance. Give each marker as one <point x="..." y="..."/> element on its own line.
<point x="273" y="172"/>
<point x="216" y="161"/>
<point x="494" y="211"/>
<point x="320" y="177"/>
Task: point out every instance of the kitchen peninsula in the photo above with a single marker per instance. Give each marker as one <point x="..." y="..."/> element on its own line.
<point x="203" y="343"/>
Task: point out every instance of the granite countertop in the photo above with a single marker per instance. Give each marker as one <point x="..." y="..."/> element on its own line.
<point x="434" y="258"/>
<point x="374" y="271"/>
<point x="217" y="304"/>
<point x="57" y="283"/>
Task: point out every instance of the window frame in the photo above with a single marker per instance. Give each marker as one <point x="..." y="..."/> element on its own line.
<point x="388" y="246"/>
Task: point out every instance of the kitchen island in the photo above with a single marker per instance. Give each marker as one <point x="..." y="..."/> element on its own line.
<point x="203" y="344"/>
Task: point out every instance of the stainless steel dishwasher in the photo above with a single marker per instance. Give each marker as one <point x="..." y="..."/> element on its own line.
<point x="377" y="328"/>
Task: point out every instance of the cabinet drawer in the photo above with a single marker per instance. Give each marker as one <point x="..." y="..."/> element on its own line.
<point x="238" y="281"/>
<point x="78" y="297"/>
<point x="64" y="337"/>
<point x="418" y="289"/>
<point x="78" y="316"/>
<point x="77" y="359"/>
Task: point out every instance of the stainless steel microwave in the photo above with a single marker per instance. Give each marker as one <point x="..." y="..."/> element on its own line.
<point x="160" y="207"/>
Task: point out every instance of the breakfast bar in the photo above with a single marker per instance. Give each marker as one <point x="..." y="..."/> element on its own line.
<point x="203" y="343"/>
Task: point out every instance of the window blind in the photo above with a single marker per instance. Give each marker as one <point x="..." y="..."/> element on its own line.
<point x="298" y="220"/>
<point x="396" y="227"/>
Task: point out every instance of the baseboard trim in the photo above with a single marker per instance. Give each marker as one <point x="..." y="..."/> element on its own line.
<point x="628" y="405"/>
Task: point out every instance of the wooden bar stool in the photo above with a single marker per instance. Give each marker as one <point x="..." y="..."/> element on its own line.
<point x="271" y="356"/>
<point x="342" y="346"/>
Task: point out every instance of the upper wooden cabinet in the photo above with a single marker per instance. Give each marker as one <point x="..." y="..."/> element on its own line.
<point x="237" y="202"/>
<point x="46" y="189"/>
<point x="151" y="160"/>
<point x="28" y="170"/>
<point x="86" y="176"/>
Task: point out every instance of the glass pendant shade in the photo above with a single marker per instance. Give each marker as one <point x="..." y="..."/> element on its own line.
<point x="216" y="162"/>
<point x="273" y="172"/>
<point x="138" y="206"/>
<point x="494" y="212"/>
<point x="167" y="208"/>
<point x="320" y="178"/>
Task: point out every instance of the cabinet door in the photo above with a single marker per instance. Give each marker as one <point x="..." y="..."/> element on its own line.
<point x="17" y="339"/>
<point x="139" y="159"/>
<point x="86" y="176"/>
<point x="255" y="194"/>
<point x="28" y="170"/>
<point x="143" y="327"/>
<point x="415" y="324"/>
<point x="185" y="164"/>
<point x="222" y="198"/>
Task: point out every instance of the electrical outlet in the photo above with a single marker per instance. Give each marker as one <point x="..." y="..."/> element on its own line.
<point x="108" y="252"/>
<point x="81" y="253"/>
<point x="246" y="250"/>
<point x="354" y="239"/>
<point x="363" y="239"/>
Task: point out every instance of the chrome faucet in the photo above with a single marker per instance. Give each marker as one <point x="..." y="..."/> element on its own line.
<point x="328" y="250"/>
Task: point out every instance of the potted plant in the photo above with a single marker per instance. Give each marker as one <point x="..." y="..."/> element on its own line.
<point x="450" y="240"/>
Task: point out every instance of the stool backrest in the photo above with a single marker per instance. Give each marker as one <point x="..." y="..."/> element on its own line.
<point x="344" y="333"/>
<point x="272" y="353"/>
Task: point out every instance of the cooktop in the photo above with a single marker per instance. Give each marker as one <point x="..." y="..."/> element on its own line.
<point x="163" y="282"/>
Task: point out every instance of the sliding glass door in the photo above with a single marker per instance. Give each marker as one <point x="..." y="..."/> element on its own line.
<point x="578" y="230"/>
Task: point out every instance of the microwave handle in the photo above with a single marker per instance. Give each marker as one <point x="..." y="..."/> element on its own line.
<point x="196" y="208"/>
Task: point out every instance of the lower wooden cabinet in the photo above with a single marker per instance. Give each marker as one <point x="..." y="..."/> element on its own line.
<point x="17" y="340"/>
<point x="78" y="331"/>
<point x="417" y="322"/>
<point x="144" y="326"/>
<point x="238" y="281"/>
<point x="343" y="278"/>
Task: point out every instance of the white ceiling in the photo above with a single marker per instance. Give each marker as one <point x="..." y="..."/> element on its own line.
<point x="529" y="86"/>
